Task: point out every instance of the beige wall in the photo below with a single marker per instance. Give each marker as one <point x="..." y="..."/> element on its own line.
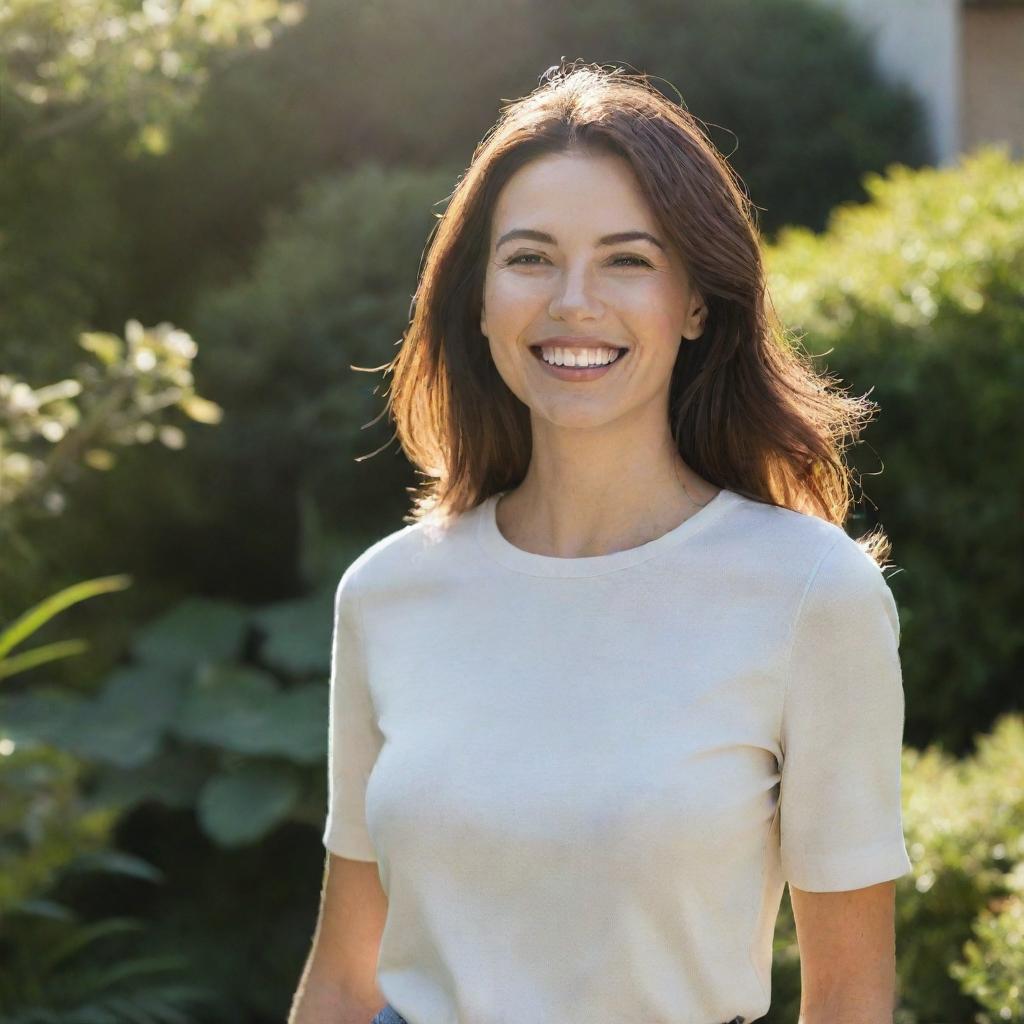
<point x="992" y="108"/>
<point x="919" y="42"/>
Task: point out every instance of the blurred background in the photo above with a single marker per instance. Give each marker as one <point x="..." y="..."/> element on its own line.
<point x="211" y="210"/>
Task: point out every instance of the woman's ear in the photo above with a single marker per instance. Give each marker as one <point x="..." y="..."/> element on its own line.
<point x="483" y="321"/>
<point x="697" y="318"/>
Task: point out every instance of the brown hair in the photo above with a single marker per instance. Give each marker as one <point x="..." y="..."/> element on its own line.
<point x="747" y="408"/>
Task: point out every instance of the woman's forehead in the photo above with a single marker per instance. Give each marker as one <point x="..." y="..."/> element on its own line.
<point x="592" y="196"/>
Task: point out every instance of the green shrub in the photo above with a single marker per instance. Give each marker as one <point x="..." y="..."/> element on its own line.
<point x="52" y="969"/>
<point x="788" y="88"/>
<point x="329" y="290"/>
<point x="188" y="725"/>
<point x="960" y="915"/>
<point x="218" y="727"/>
<point x="919" y="295"/>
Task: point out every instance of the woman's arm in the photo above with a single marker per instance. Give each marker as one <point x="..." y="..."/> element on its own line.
<point x="847" y="954"/>
<point x="338" y="984"/>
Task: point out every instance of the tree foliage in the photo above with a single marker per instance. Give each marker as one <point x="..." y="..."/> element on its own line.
<point x="68" y="64"/>
<point x="918" y="295"/>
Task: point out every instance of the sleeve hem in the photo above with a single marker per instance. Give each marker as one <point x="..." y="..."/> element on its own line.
<point x="350" y="846"/>
<point x="851" y="868"/>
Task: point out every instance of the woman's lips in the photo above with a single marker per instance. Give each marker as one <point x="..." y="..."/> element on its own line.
<point x="579" y="373"/>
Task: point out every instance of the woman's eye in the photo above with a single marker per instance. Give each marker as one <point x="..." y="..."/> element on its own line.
<point x="636" y="261"/>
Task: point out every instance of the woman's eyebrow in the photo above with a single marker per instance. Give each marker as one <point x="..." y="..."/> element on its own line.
<point x="616" y="239"/>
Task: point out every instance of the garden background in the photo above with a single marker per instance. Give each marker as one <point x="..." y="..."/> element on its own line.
<point x="209" y="214"/>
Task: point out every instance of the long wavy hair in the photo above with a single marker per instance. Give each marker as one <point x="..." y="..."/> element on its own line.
<point x="748" y="410"/>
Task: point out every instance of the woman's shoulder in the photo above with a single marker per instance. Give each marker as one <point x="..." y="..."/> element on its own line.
<point x="800" y="545"/>
<point x="407" y="554"/>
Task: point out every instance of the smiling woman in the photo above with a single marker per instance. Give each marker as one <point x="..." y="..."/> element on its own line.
<point x="623" y="675"/>
<point x="624" y="290"/>
<point x="598" y="210"/>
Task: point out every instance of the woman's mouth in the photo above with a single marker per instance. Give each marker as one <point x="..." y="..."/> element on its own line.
<point x="579" y="373"/>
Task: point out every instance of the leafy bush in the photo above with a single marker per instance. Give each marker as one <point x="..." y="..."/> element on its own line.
<point x="222" y="716"/>
<point x="788" y="88"/>
<point x="919" y="295"/>
<point x="132" y="393"/>
<point x="330" y="290"/>
<point x="48" y="435"/>
<point x="86" y="87"/>
<point x="52" y="971"/>
<point x="186" y="724"/>
<point x="959" y="914"/>
<point x="56" y="968"/>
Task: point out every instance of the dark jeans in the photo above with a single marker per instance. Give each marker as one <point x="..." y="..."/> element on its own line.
<point x="389" y="1015"/>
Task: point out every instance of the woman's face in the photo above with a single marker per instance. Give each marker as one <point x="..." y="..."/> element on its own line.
<point x="629" y="292"/>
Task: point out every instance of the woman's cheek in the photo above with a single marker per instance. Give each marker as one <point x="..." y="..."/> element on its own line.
<point x="515" y="289"/>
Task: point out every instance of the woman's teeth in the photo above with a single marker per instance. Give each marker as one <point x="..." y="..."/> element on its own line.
<point x="581" y="357"/>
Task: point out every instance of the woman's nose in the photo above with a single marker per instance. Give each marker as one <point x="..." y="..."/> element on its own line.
<point x="574" y="294"/>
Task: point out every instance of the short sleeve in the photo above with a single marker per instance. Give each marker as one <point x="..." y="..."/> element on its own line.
<point x="841" y="823"/>
<point x="354" y="740"/>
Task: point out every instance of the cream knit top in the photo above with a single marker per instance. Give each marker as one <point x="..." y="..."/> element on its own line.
<point x="586" y="781"/>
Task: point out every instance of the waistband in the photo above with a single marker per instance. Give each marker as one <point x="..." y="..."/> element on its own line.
<point x="389" y="1015"/>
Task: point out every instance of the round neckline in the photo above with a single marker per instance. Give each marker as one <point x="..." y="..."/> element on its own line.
<point x="504" y="551"/>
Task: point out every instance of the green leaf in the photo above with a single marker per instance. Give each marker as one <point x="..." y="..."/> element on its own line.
<point x="246" y="804"/>
<point x="124" y="724"/>
<point x="46" y="715"/>
<point x="243" y="710"/>
<point x="116" y="862"/>
<point x="298" y="634"/>
<point x="172" y="777"/>
<point x="194" y="631"/>
<point x="301" y="717"/>
<point x="231" y="707"/>
<point x="44" y="908"/>
<point x="27" y="623"/>
<point x="16" y="663"/>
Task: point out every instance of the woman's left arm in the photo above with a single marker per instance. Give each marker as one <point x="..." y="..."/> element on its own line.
<point x="847" y="954"/>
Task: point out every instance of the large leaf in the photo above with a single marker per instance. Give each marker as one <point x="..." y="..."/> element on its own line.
<point x="302" y="723"/>
<point x="243" y="710"/>
<point x="124" y="724"/>
<point x="194" y="631"/>
<point x="45" y="715"/>
<point x="172" y="777"/>
<point x="244" y="805"/>
<point x="298" y="634"/>
<point x="232" y="707"/>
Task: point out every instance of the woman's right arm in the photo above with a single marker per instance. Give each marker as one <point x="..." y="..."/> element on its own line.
<point x="338" y="984"/>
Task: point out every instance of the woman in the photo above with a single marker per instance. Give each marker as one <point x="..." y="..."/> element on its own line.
<point x="624" y="675"/>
